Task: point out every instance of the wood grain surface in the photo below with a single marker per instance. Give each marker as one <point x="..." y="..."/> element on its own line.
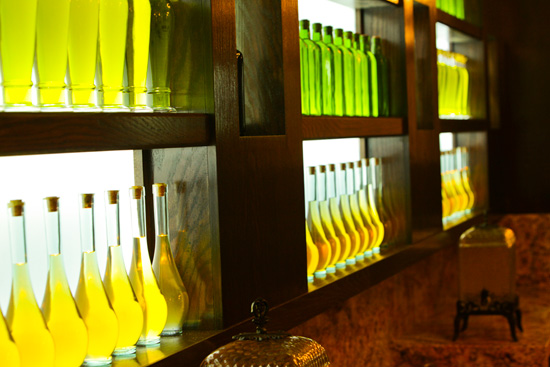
<point x="325" y="127"/>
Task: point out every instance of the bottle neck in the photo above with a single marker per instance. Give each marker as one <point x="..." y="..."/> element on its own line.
<point x="341" y="181"/>
<point x="112" y="218"/>
<point x="376" y="176"/>
<point x="357" y="177"/>
<point x="364" y="172"/>
<point x="331" y="184"/>
<point x="320" y="186"/>
<point x="87" y="240"/>
<point x="51" y="221"/>
<point x="137" y="209"/>
<point x="327" y="38"/>
<point x="338" y="41"/>
<point x="304" y="33"/>
<point x="347" y="42"/>
<point x="17" y="232"/>
<point x="364" y="44"/>
<point x="316" y="36"/>
<point x="350" y="186"/>
<point x="161" y="213"/>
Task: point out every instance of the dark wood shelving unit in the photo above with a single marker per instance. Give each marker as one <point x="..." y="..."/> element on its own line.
<point x="327" y="127"/>
<point x="365" y="4"/>
<point x="463" y="125"/>
<point x="459" y="25"/>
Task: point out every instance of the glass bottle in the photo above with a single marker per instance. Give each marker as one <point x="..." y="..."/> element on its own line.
<point x="383" y="76"/>
<point x="363" y="207"/>
<point x="345" y="211"/>
<point x="355" y="211"/>
<point x="83" y="36"/>
<point x="117" y="284"/>
<point x="327" y="71"/>
<point x="304" y="72"/>
<point x="162" y="24"/>
<point x="338" y="223"/>
<point x="25" y="320"/>
<point x="326" y="219"/>
<point x="113" y="24"/>
<point x="313" y="69"/>
<point x="17" y="32"/>
<point x="142" y="278"/>
<point x="68" y="330"/>
<point x="349" y="42"/>
<point x="91" y="299"/>
<point x="441" y="82"/>
<point x="464" y="77"/>
<point x="164" y="266"/>
<point x="369" y="197"/>
<point x="338" y="59"/>
<point x="460" y="14"/>
<point x="349" y="73"/>
<point x="364" y="45"/>
<point x="137" y="52"/>
<point x="378" y="188"/>
<point x="312" y="256"/>
<point x="465" y="176"/>
<point x="364" y="81"/>
<point x="8" y="349"/>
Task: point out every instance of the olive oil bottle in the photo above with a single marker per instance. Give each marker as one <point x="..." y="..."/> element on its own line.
<point x="337" y="222"/>
<point x="8" y="349"/>
<point x="370" y="199"/>
<point x="327" y="71"/>
<point x="355" y="211"/>
<point x="311" y="66"/>
<point x="345" y="211"/>
<point x="362" y="200"/>
<point x="349" y="73"/>
<point x="326" y="218"/>
<point x="312" y="256"/>
<point x="338" y="62"/>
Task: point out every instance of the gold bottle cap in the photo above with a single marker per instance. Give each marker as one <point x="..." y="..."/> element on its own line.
<point x="358" y="164"/>
<point x="376" y="161"/>
<point x="159" y="189"/>
<point x="87" y="201"/>
<point x="343" y="166"/>
<point x="332" y="167"/>
<point x="323" y="169"/>
<point x="311" y="170"/>
<point x="365" y="161"/>
<point x="52" y="204"/>
<point x="350" y="165"/>
<point x="136" y="192"/>
<point x="16" y="207"/>
<point x="112" y="196"/>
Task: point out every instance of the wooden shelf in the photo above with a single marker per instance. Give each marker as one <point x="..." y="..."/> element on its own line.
<point x="459" y="25"/>
<point x="327" y="127"/>
<point x="33" y="133"/>
<point x="463" y="125"/>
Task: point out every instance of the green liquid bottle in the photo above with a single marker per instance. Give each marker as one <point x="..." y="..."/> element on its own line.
<point x="451" y="7"/>
<point x="52" y="30"/>
<point x="349" y="73"/>
<point x="366" y="98"/>
<point x="313" y="70"/>
<point x="364" y="45"/>
<point x="383" y="77"/>
<point x="338" y="60"/>
<point x="304" y="73"/>
<point x="162" y="24"/>
<point x="83" y="35"/>
<point x="349" y="44"/>
<point x="113" y="23"/>
<point x="327" y="71"/>
<point x="460" y="14"/>
<point x="137" y="52"/>
<point x="17" y="32"/>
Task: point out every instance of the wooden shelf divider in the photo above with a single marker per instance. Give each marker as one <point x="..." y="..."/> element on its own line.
<point x="327" y="127"/>
<point x="458" y="24"/>
<point x="463" y="125"/>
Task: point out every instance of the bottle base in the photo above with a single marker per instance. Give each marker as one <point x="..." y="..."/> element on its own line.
<point x="322" y="274"/>
<point x="310" y="278"/>
<point x="124" y="351"/>
<point x="331" y="270"/>
<point x="149" y="341"/>
<point x="171" y="332"/>
<point x="98" y="361"/>
<point x="341" y="265"/>
<point x="350" y="261"/>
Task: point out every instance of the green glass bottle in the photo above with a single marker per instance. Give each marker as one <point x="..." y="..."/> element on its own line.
<point x="137" y="52"/>
<point x="451" y="7"/>
<point x="83" y="35"/>
<point x="162" y="24"/>
<point x="460" y="14"/>
<point x="52" y="30"/>
<point x="349" y="73"/>
<point x="372" y="76"/>
<point x="327" y="71"/>
<point x="349" y="44"/>
<point x="313" y="69"/>
<point x="17" y="32"/>
<point x="383" y="77"/>
<point x="338" y="59"/>
<point x="304" y="74"/>
<point x="113" y="26"/>
<point x="366" y="98"/>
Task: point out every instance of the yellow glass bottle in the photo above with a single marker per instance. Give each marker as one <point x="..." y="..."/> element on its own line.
<point x="465" y="176"/>
<point x="17" y="32"/>
<point x="25" y="320"/>
<point x="142" y="278"/>
<point x="8" y="349"/>
<point x="117" y="284"/>
<point x="83" y="36"/>
<point x="368" y="196"/>
<point x="337" y="222"/>
<point x="348" y="168"/>
<point x="113" y="23"/>
<point x="379" y="197"/>
<point x="312" y="256"/>
<point x="68" y="330"/>
<point x="91" y="299"/>
<point x="52" y="31"/>
<point x="164" y="266"/>
<point x="360" y="189"/>
<point x="345" y="212"/>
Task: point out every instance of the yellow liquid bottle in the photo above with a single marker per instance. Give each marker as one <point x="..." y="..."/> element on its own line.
<point x="8" y="349"/>
<point x="312" y="256"/>
<point x="337" y="222"/>
<point x="113" y="23"/>
<point x="345" y="213"/>
<point x="17" y="32"/>
<point x="68" y="330"/>
<point x="326" y="219"/>
<point x="353" y="189"/>
<point x="445" y="205"/>
<point x="117" y="284"/>
<point x="137" y="52"/>
<point x="462" y="156"/>
<point x="370" y="198"/>
<point x="142" y="278"/>
<point x="25" y="320"/>
<point x="83" y="35"/>
<point x="381" y="208"/>
<point x="52" y="30"/>
<point x="91" y="299"/>
<point x="361" y="185"/>
<point x="164" y="266"/>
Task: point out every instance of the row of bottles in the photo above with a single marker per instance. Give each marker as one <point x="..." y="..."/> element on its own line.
<point x="342" y="74"/>
<point x="128" y="42"/>
<point x="453" y="7"/>
<point x="458" y="196"/>
<point x="350" y="216"/>
<point x="106" y="317"/>
<point x="453" y="82"/>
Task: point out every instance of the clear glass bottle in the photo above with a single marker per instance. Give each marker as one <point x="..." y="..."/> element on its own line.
<point x="337" y="221"/>
<point x="137" y="52"/>
<point x="355" y="211"/>
<point x="83" y="36"/>
<point x="25" y="320"/>
<point x="364" y="45"/>
<point x="117" y="284"/>
<point x="362" y="199"/>
<point x="142" y="278"/>
<point x="345" y="212"/>
<point x="68" y="330"/>
<point x="91" y="299"/>
<point x="165" y="268"/>
<point x="370" y="199"/>
<point x="465" y="176"/>
<point x="313" y="70"/>
<point x="18" y="34"/>
<point x="113" y="26"/>
<point x="338" y="59"/>
<point x="327" y="71"/>
<point x="8" y="349"/>
<point x="312" y="256"/>
<point x="383" y="213"/>
<point x="383" y="76"/>
<point x="364" y="81"/>
<point x="326" y="218"/>
<point x="349" y="73"/>
<point x="349" y="42"/>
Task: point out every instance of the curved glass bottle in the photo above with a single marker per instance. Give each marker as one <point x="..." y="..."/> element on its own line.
<point x="83" y="36"/>
<point x="345" y="211"/>
<point x="349" y="73"/>
<point x="312" y="256"/>
<point x="355" y="211"/>
<point x="25" y="320"/>
<point x="362" y="199"/>
<point x="142" y="278"/>
<point x="337" y="221"/>
<point x="313" y="70"/>
<point x="383" y="76"/>
<point x="68" y="330"/>
<point x="117" y="284"/>
<point x="326" y="218"/>
<point x="304" y="69"/>
<point x="338" y="64"/>
<point x="91" y="299"/>
<point x="382" y="209"/>
<point x="164" y="266"/>
<point x="8" y="349"/>
<point x="327" y="71"/>
<point x="368" y="195"/>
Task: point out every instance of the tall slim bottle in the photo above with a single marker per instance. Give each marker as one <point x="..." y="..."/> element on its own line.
<point x="165" y="268"/>
<point x="8" y="349"/>
<point x="137" y="52"/>
<point x="117" y="284"/>
<point x="355" y="211"/>
<point x="113" y="26"/>
<point x="142" y="278"/>
<point x="363" y="207"/>
<point x="312" y="255"/>
<point x="68" y="330"/>
<point x="327" y="71"/>
<point x="462" y="155"/>
<point x="370" y="199"/>
<point x="83" y="36"/>
<point x="364" y="82"/>
<point x="313" y="70"/>
<point x="364" y="45"/>
<point x="349" y="73"/>
<point x="349" y="42"/>
<point x="18" y="34"/>
<point x="337" y="221"/>
<point x="383" y="76"/>
<point x="304" y="71"/>
<point x="338" y="59"/>
<point x="91" y="299"/>
<point x="345" y="211"/>
<point x="162" y="24"/>
<point x="326" y="219"/>
<point x="378" y="188"/>
<point x="25" y="320"/>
